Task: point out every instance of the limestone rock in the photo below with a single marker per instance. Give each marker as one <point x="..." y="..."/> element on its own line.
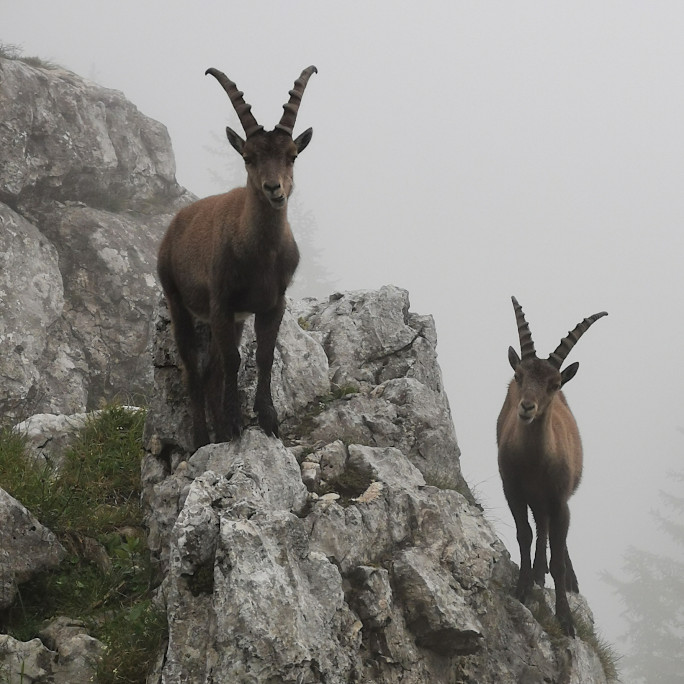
<point x="87" y="188"/>
<point x="66" y="138"/>
<point x="369" y="337"/>
<point x="376" y="346"/>
<point x="352" y="551"/>
<point x="436" y="613"/>
<point x="64" y="654"/>
<point x="21" y="661"/>
<point x="32" y="296"/>
<point x="371" y="596"/>
<point x="26" y="547"/>
<point x="49" y="435"/>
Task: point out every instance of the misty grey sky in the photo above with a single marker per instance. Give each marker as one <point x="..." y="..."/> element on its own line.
<point x="466" y="151"/>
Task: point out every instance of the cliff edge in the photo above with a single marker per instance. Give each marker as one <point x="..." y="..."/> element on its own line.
<point x="352" y="550"/>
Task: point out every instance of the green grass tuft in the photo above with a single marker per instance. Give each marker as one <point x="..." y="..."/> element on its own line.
<point x="23" y="480"/>
<point x="605" y="652"/>
<point x="92" y="505"/>
<point x="584" y="630"/>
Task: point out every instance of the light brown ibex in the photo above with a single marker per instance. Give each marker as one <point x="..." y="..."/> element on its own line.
<point x="540" y="460"/>
<point x="227" y="256"/>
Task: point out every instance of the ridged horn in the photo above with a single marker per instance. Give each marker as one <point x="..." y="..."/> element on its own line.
<point x="570" y="340"/>
<point x="287" y="121"/>
<point x="243" y="110"/>
<point x="526" y="343"/>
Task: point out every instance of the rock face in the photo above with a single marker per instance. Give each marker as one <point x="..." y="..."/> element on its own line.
<point x="26" y="547"/>
<point x="64" y="654"/>
<point x="381" y="568"/>
<point x="86" y="189"/>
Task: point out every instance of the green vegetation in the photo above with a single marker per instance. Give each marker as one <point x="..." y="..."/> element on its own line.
<point x="92" y="505"/>
<point x="585" y="631"/>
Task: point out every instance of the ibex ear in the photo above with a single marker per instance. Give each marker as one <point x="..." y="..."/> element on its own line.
<point x="513" y="358"/>
<point x="301" y="141"/>
<point x="569" y="373"/>
<point x="237" y="143"/>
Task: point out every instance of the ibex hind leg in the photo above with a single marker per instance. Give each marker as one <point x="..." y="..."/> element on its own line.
<point x="186" y="342"/>
<point x="571" y="583"/>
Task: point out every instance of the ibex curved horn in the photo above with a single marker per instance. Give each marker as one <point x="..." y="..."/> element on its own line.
<point x="243" y="110"/>
<point x="526" y="343"/>
<point x="287" y="121"/>
<point x="557" y="357"/>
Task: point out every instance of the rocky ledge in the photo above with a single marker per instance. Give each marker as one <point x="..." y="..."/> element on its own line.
<point x="350" y="551"/>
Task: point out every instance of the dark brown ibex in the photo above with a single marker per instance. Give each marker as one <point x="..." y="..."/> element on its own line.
<point x="540" y="460"/>
<point x="231" y="255"/>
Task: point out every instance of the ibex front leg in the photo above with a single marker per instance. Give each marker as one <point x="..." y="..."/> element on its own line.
<point x="518" y="507"/>
<point x="558" y="533"/>
<point x="225" y="394"/>
<point x="266" y="326"/>
<point x="540" y="567"/>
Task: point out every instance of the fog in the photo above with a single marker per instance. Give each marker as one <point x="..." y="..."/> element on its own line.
<point x="466" y="151"/>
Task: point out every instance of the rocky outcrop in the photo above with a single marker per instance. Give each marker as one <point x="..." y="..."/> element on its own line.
<point x="64" y="654"/>
<point x="87" y="187"/>
<point x="381" y="568"/>
<point x="26" y="547"/>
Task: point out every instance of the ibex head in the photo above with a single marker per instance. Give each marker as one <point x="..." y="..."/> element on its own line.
<point x="539" y="380"/>
<point x="269" y="155"/>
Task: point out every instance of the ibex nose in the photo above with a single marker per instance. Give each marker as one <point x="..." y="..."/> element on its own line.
<point x="527" y="411"/>
<point x="272" y="188"/>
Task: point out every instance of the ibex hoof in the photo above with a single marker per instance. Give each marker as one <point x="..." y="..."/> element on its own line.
<point x="234" y="432"/>
<point x="230" y="430"/>
<point x="268" y="421"/>
<point x="200" y="438"/>
<point x="567" y="626"/>
<point x="524" y="587"/>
